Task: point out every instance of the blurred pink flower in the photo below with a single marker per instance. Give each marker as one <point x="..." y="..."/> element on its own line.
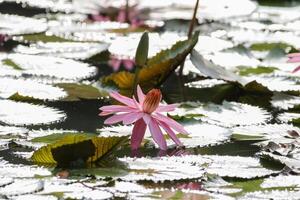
<point x="134" y="19"/>
<point x="293" y="58"/>
<point x="116" y="63"/>
<point x="190" y="186"/>
<point x="146" y="111"/>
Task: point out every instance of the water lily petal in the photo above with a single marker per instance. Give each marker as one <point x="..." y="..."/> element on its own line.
<point x="104" y="113"/>
<point x="166" y="108"/>
<point x="128" y="64"/>
<point x="123" y="99"/>
<point x="132" y="117"/>
<point x="170" y="122"/>
<point x="115" y="118"/>
<point x="115" y="64"/>
<point x="170" y="133"/>
<point x="140" y="94"/>
<point x="116" y="108"/>
<point x="296" y="69"/>
<point x="138" y="133"/>
<point x="147" y="118"/>
<point x="294" y="59"/>
<point x="292" y="55"/>
<point x="157" y="135"/>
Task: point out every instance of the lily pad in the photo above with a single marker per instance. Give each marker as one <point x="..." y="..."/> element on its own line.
<point x="237" y="167"/>
<point x="22" y="186"/>
<point x="30" y="89"/>
<point x="17" y="113"/>
<point x="52" y="67"/>
<point x="72" y="50"/>
<point x="229" y="114"/>
<point x="273" y="194"/>
<point x="281" y="181"/>
<point x="77" y="92"/>
<point x="16" y="25"/>
<point x="69" y="149"/>
<point x="162" y="169"/>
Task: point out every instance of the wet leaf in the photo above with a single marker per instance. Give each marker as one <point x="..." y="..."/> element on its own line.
<point x="22" y="186"/>
<point x="13" y="113"/>
<point x="263" y="132"/>
<point x="16" y="25"/>
<point x="21" y="171"/>
<point x="257" y="70"/>
<point x="163" y="169"/>
<point x="228" y="114"/>
<point x="74" y="50"/>
<point x="285" y="101"/>
<point x="281" y="181"/>
<point x="51" y="67"/>
<point x="76" y="147"/>
<point x="272" y="194"/>
<point x="77" y="92"/>
<point x="237" y="167"/>
<point x="204" y="135"/>
<point x="158" y="67"/>
<point x="11" y="88"/>
<point x="209" y="69"/>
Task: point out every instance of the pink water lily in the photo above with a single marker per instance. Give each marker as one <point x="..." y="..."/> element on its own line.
<point x="116" y="63"/>
<point x="146" y="111"/>
<point x="293" y="58"/>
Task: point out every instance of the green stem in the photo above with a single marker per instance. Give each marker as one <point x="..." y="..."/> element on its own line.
<point x="191" y="29"/>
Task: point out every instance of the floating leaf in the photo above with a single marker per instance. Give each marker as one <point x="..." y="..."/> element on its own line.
<point x="281" y="181"/>
<point x="86" y="32"/>
<point x="163" y="169"/>
<point x="158" y="67"/>
<point x="74" y="50"/>
<point x="22" y="171"/>
<point x="237" y="167"/>
<point x="76" y="147"/>
<point x="16" y="25"/>
<point x="289" y="117"/>
<point x="35" y="197"/>
<point x="228" y="114"/>
<point x="77" y="92"/>
<point x="263" y="132"/>
<point x="91" y="194"/>
<point x="12" y="130"/>
<point x="31" y="89"/>
<point x="209" y="69"/>
<point x="183" y="10"/>
<point x="51" y="67"/>
<point x="285" y="101"/>
<point x="201" y="135"/>
<point x="272" y="194"/>
<point x="292" y="163"/>
<point x="19" y="114"/>
<point x="22" y="186"/>
<point x="206" y="83"/>
<point x="257" y="70"/>
<point x="6" y="181"/>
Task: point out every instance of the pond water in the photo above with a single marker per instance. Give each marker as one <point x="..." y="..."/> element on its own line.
<point x="238" y="99"/>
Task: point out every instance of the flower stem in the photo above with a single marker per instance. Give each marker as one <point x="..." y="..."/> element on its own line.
<point x="191" y="29"/>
